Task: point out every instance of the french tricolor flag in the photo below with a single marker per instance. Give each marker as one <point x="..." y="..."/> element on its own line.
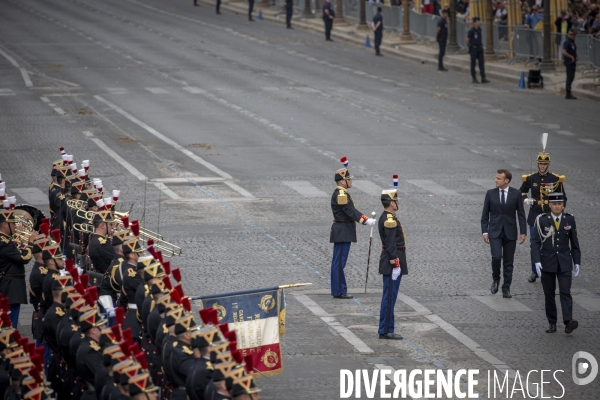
<point x="344" y="160"/>
<point x="395" y="180"/>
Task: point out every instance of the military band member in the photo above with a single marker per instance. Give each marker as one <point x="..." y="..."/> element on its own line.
<point x="12" y="264"/>
<point x="132" y="278"/>
<point x="392" y="262"/>
<point x="556" y="256"/>
<point x="36" y="281"/>
<point x="53" y="262"/>
<point x="100" y="248"/>
<point x="183" y="356"/>
<point x="343" y="230"/>
<point x="540" y="184"/>
<point x="89" y="355"/>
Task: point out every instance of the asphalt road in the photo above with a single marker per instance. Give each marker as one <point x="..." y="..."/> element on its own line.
<point x="224" y="135"/>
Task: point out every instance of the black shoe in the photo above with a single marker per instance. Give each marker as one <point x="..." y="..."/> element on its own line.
<point x="391" y="336"/>
<point x="494" y="287"/>
<point x="344" y="296"/>
<point x="571" y="326"/>
<point x="551" y="329"/>
<point x="483" y="80"/>
<point x="250" y="19"/>
<point x="506" y="294"/>
<point x="475" y="80"/>
<point x="570" y="97"/>
<point x="329" y="40"/>
<point x="290" y="27"/>
<point x="442" y="69"/>
<point x="379" y="54"/>
<point x="219" y="12"/>
<point x="532" y="277"/>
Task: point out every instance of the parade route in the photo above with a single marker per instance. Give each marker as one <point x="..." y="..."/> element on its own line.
<point x="223" y="135"/>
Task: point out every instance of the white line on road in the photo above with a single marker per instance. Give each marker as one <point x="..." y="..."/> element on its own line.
<point x="24" y="73"/>
<point x="163" y="188"/>
<point x="590" y="303"/>
<point x="565" y="133"/>
<point x="305" y="188"/>
<point x="26" y="77"/>
<point x="187" y="180"/>
<point x="344" y="332"/>
<point x="156" y="90"/>
<point x="194" y="90"/>
<point x="499" y="303"/>
<point x="368" y="187"/>
<point x="45" y="99"/>
<point x="432" y="187"/>
<point x="60" y="111"/>
<point x="589" y="141"/>
<point x="239" y="189"/>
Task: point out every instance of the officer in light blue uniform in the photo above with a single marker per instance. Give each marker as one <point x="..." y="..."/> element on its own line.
<point x="343" y="230"/>
<point x="392" y="262"/>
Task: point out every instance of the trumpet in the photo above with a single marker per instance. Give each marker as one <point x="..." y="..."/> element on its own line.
<point x="168" y="249"/>
<point x="76" y="204"/>
<point x="83" y="227"/>
<point x="83" y="214"/>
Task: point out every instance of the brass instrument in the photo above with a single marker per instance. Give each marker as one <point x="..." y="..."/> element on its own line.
<point x="167" y="249"/>
<point x="83" y="227"/>
<point x="76" y="204"/>
<point x="23" y="228"/>
<point x="83" y="214"/>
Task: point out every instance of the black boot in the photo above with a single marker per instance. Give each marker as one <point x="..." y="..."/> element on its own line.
<point x="551" y="328"/>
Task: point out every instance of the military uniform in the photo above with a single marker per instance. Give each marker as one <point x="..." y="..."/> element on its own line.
<point x="131" y="281"/>
<point x="101" y="252"/>
<point x="554" y="245"/>
<point x="540" y="186"/>
<point x="89" y="356"/>
<point x="12" y="268"/>
<point x="392" y="264"/>
<point x="343" y="231"/>
<point x="36" y="281"/>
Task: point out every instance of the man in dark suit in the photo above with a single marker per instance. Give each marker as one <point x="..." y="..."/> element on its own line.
<point x="555" y="259"/>
<point x="499" y="227"/>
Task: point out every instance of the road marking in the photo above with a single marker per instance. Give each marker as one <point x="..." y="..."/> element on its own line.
<point x="368" y="187"/>
<point x="547" y="126"/>
<point x="157" y="90"/>
<point x="60" y="111"/>
<point x="238" y="189"/>
<point x="6" y="92"/>
<point x="499" y="303"/>
<point x="590" y="303"/>
<point x="432" y="187"/>
<point x="45" y="99"/>
<point x="32" y="195"/>
<point x="24" y="72"/>
<point x="566" y="133"/>
<point x="589" y="141"/>
<point x="117" y="90"/>
<point x="165" y="139"/>
<point x="485" y="183"/>
<point x="305" y="188"/>
<point x="125" y="164"/>
<point x="187" y="180"/>
<point x="344" y="332"/>
<point x="464" y="339"/>
<point x="194" y="90"/>
<point x="221" y="200"/>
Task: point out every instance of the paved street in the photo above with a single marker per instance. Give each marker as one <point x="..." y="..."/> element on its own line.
<point x="224" y="135"/>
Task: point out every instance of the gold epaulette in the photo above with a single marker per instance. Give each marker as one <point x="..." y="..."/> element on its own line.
<point x="390" y="222"/>
<point x="524" y="177"/>
<point x="561" y="178"/>
<point x="342" y="197"/>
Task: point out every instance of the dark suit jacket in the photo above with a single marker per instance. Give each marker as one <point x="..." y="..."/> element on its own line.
<point x="496" y="218"/>
<point x="563" y="251"/>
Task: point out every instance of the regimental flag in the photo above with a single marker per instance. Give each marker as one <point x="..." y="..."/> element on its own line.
<point x="258" y="319"/>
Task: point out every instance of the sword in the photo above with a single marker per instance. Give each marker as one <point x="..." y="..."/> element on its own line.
<point x="369" y="255"/>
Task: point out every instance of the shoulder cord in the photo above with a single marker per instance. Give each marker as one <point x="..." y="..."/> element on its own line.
<point x="542" y="235"/>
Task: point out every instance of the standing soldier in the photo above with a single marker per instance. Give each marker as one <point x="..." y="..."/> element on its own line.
<point x="89" y="355"/>
<point x="555" y="252"/>
<point x="441" y="35"/>
<point x="475" y="45"/>
<point x="289" y="10"/>
<point x="100" y="249"/>
<point x="12" y="263"/>
<point x="328" y="16"/>
<point x="541" y="184"/>
<point x="392" y="262"/>
<point x="569" y="53"/>
<point x="377" y="26"/>
<point x="343" y="230"/>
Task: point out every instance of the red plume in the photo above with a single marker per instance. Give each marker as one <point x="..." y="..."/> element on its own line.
<point x="84" y="279"/>
<point x="231" y="336"/>
<point x="233" y="346"/>
<point x="179" y="289"/>
<point x="150" y="242"/>
<point x="125" y="221"/>
<point x="36" y="375"/>
<point x="23" y="341"/>
<point x="185" y="302"/>
<point x="5" y="319"/>
<point x="237" y="356"/>
<point x="89" y="299"/>
<point x="36" y="360"/>
<point x="5" y="305"/>
<point x="127" y="338"/>
<point x="79" y="287"/>
<point x="116" y="330"/>
<point x="176" y="297"/>
<point x="119" y="315"/>
<point x="124" y="347"/>
<point x="166" y="264"/>
<point x="395" y="176"/>
<point x="152" y="251"/>
<point x="141" y="357"/>
<point x="204" y="315"/>
<point x="74" y="273"/>
<point x="69" y="264"/>
<point x="94" y="292"/>
<point x="167" y="283"/>
<point x="46" y="221"/>
<point x="40" y="351"/>
<point x="343" y="159"/>
<point x="30" y="349"/>
<point x="56" y="235"/>
<point x="135" y="228"/>
<point x="249" y="364"/>
<point x="160" y="258"/>
<point x="16" y="336"/>
<point x="214" y="316"/>
<point x="176" y="273"/>
<point x="134" y="348"/>
<point x="224" y="328"/>
<point x="45" y="228"/>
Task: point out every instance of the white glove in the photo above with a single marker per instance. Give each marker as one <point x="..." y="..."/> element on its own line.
<point x="538" y="268"/>
<point x="576" y="270"/>
<point x="79" y="269"/>
<point x="371" y="222"/>
<point x="396" y="273"/>
<point x="529" y="202"/>
<point x="110" y="312"/>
